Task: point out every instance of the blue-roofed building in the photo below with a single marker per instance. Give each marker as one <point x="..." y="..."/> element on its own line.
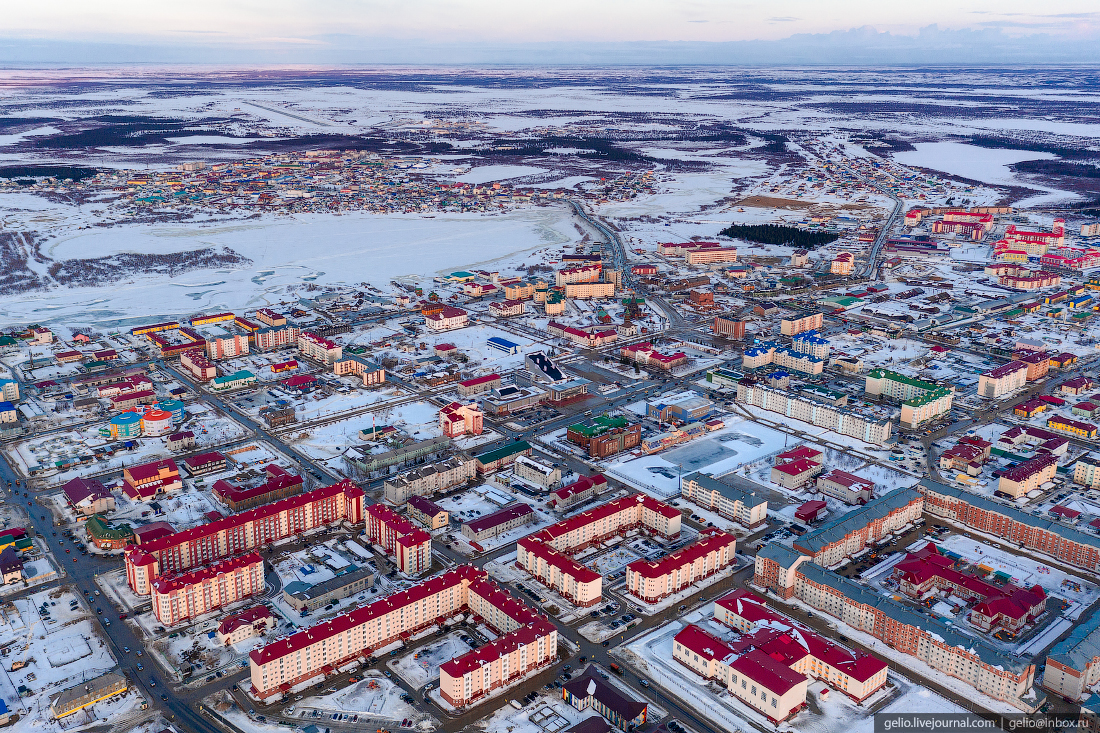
<point x="8" y="413"/>
<point x="496" y="342"/>
<point x="810" y="342"/>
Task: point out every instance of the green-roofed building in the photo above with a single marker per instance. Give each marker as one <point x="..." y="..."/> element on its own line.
<point x="243" y="378"/>
<point x="921" y="401"/>
<point x="108" y="537"/>
<point x="499" y="457"/>
<point x="606" y="436"/>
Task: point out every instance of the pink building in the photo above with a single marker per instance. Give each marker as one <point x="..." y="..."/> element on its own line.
<point x="225" y="347"/>
<point x="410" y="546"/>
<point x="546" y="555"/>
<point x="643" y="353"/>
<point x="654" y="581"/>
<point x="457" y="419"/>
<point x="322" y="649"/>
<point x="196" y="592"/>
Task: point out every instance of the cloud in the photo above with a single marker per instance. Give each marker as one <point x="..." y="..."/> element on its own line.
<point x="783" y="19"/>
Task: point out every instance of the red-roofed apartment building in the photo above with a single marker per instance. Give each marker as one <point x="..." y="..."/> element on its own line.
<point x="643" y="353"/>
<point x="457" y="419"/>
<point x="478" y="385"/>
<point x="655" y="581"/>
<point x="546" y="553"/>
<point x="148" y="480"/>
<point x="526" y="643"/>
<point x="243" y="532"/>
<point x="191" y="594"/>
<point x="410" y="546"/>
<point x="796" y="473"/>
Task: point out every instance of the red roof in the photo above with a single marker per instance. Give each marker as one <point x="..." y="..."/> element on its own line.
<point x="497" y="518"/>
<point x="235" y="520"/>
<point x="425" y="505"/>
<point x="797" y="467"/>
<point x="480" y="380"/>
<point x="700" y="642"/>
<point x="1065" y="512"/>
<point x="765" y="671"/>
<point x="712" y="542"/>
<point x="178" y="582"/>
<point x="802" y="451"/>
<point x="277" y="480"/>
<point x="584" y="483"/>
<point x="847" y="480"/>
<point x="548" y="534"/>
<point x="248" y="617"/>
<point x="150" y="471"/>
<point x="299" y="380"/>
<point x="363" y="614"/>
<point x="478" y="658"/>
<point x="809" y="510"/>
<point x="203" y="459"/>
<point x="148" y="532"/>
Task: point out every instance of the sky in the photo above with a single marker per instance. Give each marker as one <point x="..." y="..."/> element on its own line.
<point x="310" y="29"/>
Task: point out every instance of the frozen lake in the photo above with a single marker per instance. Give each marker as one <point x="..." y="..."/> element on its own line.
<point x="989" y="165"/>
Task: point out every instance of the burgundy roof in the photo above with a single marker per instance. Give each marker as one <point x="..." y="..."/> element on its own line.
<point x="506" y="514"/>
<point x="714" y="541"/>
<point x="480" y="380"/>
<point x="203" y="459"/>
<point x="425" y="505"/>
<point x="767" y="672"/>
<point x="177" y="582"/>
<point x="245" y="618"/>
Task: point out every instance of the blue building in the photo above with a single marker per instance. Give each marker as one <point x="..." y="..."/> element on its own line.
<point x="8" y="413"/>
<point x="504" y="345"/>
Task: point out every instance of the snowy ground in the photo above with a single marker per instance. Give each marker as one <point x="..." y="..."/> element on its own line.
<point x="422" y="666"/>
<point x="374" y="697"/>
<point x="547" y="714"/>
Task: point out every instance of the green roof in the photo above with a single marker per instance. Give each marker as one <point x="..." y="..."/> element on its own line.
<point x="234" y="377"/>
<point x="600" y="425"/>
<point x="511" y="449"/>
<point x="893" y="376"/>
<point x="100" y="530"/>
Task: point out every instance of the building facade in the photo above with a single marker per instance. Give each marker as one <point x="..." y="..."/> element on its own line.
<point x="193" y="593"/>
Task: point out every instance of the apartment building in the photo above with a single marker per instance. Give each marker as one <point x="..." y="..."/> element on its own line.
<point x="592" y="338"/>
<point x="318" y="348"/>
<point x="537" y="472"/>
<point x="276" y="337"/>
<point x="226" y="347"/>
<point x="201" y="368"/>
<point x="582" y="274"/>
<point x="431" y="479"/>
<point x="767" y="354"/>
<point x="795" y="326"/>
<point x="427" y="513"/>
<point x="408" y="545"/>
<point x="842" y="264"/>
<point x="1002" y="380"/>
<point x="242" y="532"/>
<point x="507" y="308"/>
<point x="279" y="485"/>
<point x="921" y="401"/>
<point x="730" y="328"/>
<point x="1073" y="664"/>
<point x="842" y="420"/>
<point x="1027" y="476"/>
<point x="654" y="581"/>
<point x="244" y="625"/>
<point x="710" y="255"/>
<point x="1074" y="428"/>
<point x="644" y="354"/>
<point x="1002" y="676"/>
<point x="809" y="342"/>
<point x="846" y="487"/>
<point x="330" y="645"/>
<point x="184" y="596"/>
<point x="848" y="534"/>
<point x="457" y="419"/>
<point x="1006" y="522"/>
<point x="367" y="370"/>
<point x="1086" y="471"/>
<point x="578" y="492"/>
<point x="547" y="554"/>
<point x="486" y="528"/>
<point x="743" y="507"/>
<point x="590" y="291"/>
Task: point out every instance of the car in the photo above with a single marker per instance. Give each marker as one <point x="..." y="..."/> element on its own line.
<point x="106" y="622"/>
<point x="67" y="550"/>
<point x="152" y="682"/>
<point x="582" y="660"/>
<point x="388" y="673"/>
<point x="126" y="649"/>
<point x="606" y="643"/>
<point x="99" y="611"/>
<point x="139" y="652"/>
<point x="164" y="697"/>
<point x="140" y="666"/>
<point x="643" y="683"/>
<point x="122" y="616"/>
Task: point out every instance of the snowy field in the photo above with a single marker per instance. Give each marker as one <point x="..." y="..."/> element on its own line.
<point x="285" y="252"/>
